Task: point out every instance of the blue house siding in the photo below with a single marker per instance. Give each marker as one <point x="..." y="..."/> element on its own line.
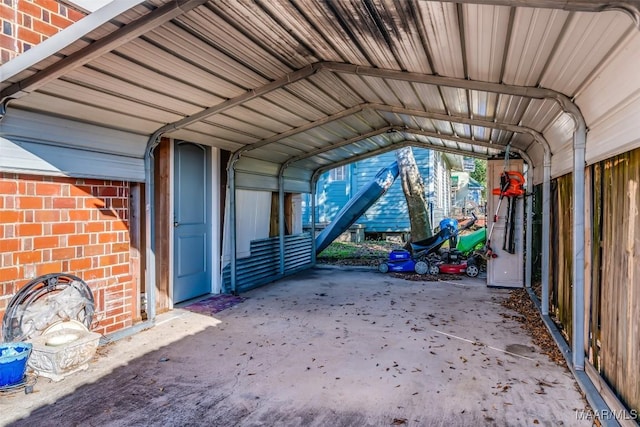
<point x="389" y="213"/>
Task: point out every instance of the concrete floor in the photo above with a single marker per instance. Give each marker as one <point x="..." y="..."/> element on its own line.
<point x="330" y="346"/>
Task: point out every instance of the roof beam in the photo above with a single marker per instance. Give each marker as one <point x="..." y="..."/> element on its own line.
<point x="525" y="91"/>
<point x="342" y="143"/>
<point x="632" y="8"/>
<point x="289" y="78"/>
<point x="392" y="147"/>
<point x="537" y="136"/>
<point x="106" y="44"/>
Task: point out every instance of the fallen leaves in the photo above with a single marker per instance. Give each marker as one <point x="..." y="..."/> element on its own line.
<point x="530" y="321"/>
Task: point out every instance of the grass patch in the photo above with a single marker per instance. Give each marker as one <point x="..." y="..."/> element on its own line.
<point x="347" y="253"/>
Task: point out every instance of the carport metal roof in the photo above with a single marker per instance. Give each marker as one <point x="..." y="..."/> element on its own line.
<point x="313" y="83"/>
<point x="294" y="87"/>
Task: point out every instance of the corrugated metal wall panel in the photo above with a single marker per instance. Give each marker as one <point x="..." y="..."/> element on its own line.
<point x="42" y="159"/>
<point x="263" y="265"/>
<point x="57" y="131"/>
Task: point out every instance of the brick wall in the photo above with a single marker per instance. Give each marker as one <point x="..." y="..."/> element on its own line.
<point x="25" y="23"/>
<point x="75" y="226"/>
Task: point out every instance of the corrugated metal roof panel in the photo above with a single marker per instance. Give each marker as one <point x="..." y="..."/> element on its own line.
<point x="225" y="58"/>
<point x="440" y="22"/>
<point x="586" y="41"/>
<point x="485" y="49"/>
<point x="533" y="39"/>
<point x="220" y="32"/>
<point x="68" y="108"/>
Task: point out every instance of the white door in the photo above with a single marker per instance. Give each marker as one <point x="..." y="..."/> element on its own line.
<point x="192" y="222"/>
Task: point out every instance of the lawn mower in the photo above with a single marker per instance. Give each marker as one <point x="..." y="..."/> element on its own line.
<point x="466" y="256"/>
<point x="422" y="258"/>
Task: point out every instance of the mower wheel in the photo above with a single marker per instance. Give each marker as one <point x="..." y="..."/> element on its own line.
<point x="421" y="267"/>
<point x="383" y="267"/>
<point x="434" y="270"/>
<point x="472" y="270"/>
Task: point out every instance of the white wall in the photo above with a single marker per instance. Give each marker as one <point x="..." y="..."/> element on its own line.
<point x="252" y="218"/>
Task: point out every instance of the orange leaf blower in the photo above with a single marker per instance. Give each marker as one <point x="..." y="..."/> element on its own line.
<point x="511" y="186"/>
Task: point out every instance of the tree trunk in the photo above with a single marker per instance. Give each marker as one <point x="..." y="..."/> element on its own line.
<point x="413" y="188"/>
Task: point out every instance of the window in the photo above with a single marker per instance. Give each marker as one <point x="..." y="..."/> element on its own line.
<point x="338" y="174"/>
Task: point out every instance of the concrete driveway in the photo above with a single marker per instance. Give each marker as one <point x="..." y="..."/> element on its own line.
<point x="328" y="347"/>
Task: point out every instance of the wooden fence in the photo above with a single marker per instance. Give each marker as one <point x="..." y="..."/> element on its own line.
<point x="615" y="283"/>
<point x="561" y="252"/>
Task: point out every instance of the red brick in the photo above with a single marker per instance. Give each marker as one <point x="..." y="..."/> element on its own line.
<point x="44" y="28"/>
<point x="75" y="15"/>
<point x="63" y="228"/>
<point x="80" y="264"/>
<point x="115" y="311"/>
<point x="80" y="190"/>
<point x="9" y="274"/>
<point x="120" y="269"/>
<point x="8" y="187"/>
<point x="107" y="238"/>
<point x="93" y="227"/>
<point x="29" y="230"/>
<point x="96" y="273"/>
<point x="93" y="203"/>
<point x="64" y="203"/>
<point x="29" y="8"/>
<point x="50" y="5"/>
<point x="27" y="257"/>
<point x="45" y="242"/>
<point x="47" y="216"/>
<point x="60" y="21"/>
<point x="6" y="12"/>
<point x="63" y="253"/>
<point x="107" y="191"/>
<point x="47" y="189"/>
<point x="90" y="250"/>
<point x="9" y="245"/>
<point x="79" y="215"/>
<point x="9" y="217"/>
<point x="26" y="202"/>
<point x="120" y="247"/>
<point x="78" y="239"/>
<point x="29" y="36"/>
<point x="107" y="260"/>
<point x="50" y="267"/>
